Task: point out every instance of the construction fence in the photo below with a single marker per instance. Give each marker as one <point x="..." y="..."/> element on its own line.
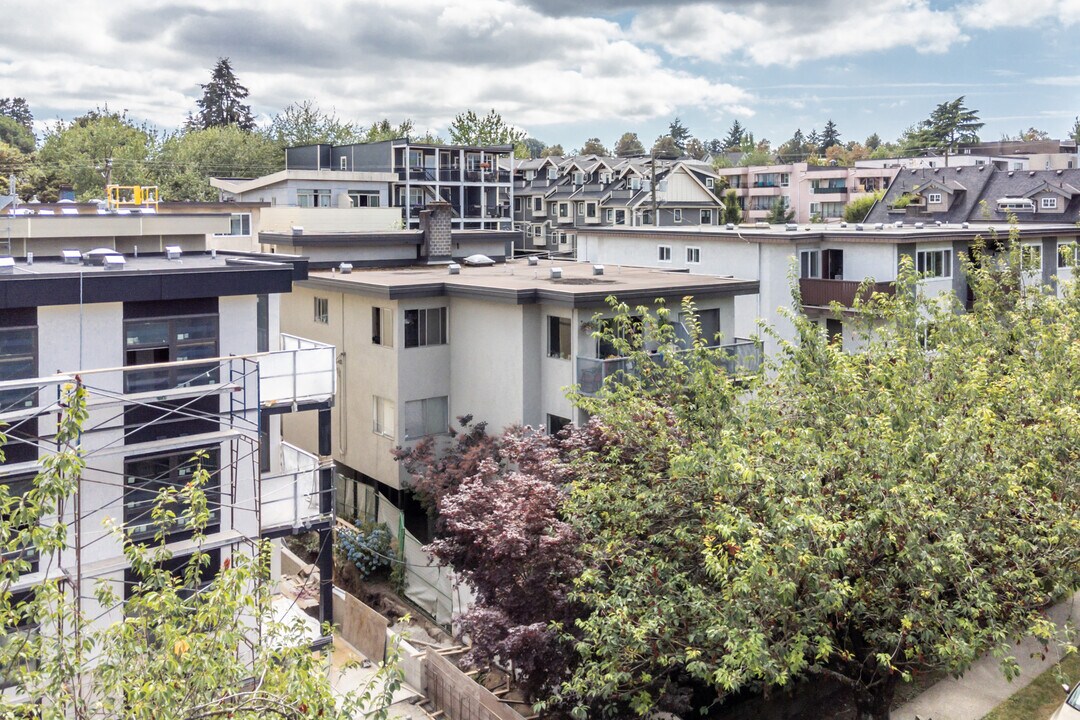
<point x="460" y="697"/>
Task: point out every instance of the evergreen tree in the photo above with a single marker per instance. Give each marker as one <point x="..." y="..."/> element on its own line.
<point x="950" y="126"/>
<point x="734" y="138"/>
<point x="593" y="146"/>
<point x="873" y="142"/>
<point x="813" y="142"/>
<point x="17" y="110"/>
<point x="780" y="213"/>
<point x="732" y="211"/>
<point x="679" y="133"/>
<point x="1075" y="132"/>
<point x="830" y="135"/>
<point x="665" y="147"/>
<point x="222" y="101"/>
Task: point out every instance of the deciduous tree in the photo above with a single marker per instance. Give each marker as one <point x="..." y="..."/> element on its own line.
<point x="629" y="145"/>
<point x="186" y="160"/>
<point x="468" y="128"/>
<point x="593" y="146"/>
<point x="18" y="110"/>
<point x="305" y="123"/>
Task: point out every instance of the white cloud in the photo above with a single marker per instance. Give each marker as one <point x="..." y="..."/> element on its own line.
<point x="426" y="59"/>
<point x="989" y="14"/>
<point x="768" y="35"/>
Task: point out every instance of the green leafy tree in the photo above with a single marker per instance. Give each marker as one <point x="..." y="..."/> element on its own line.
<point x="678" y="132"/>
<point x="18" y="110"/>
<point x="305" y="123"/>
<point x="829" y="136"/>
<point x="187" y="160"/>
<point x="666" y="147"/>
<point x="185" y="650"/>
<point x="222" y="102"/>
<point x="950" y="126"/>
<point x="780" y="213"/>
<point x="553" y="151"/>
<point x="16" y="135"/>
<point x="857" y="210"/>
<point x="1075" y="132"/>
<point x="629" y="145"/>
<point x="794" y="149"/>
<point x="732" y="211"/>
<point x="696" y="149"/>
<point x="468" y="128"/>
<point x="734" y="138"/>
<point x="99" y="147"/>
<point x="535" y="147"/>
<point x="873" y="142"/>
<point x="593" y="146"/>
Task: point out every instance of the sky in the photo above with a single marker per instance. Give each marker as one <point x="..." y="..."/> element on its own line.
<point x="562" y="70"/>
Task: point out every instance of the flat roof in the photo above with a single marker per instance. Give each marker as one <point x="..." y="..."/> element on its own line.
<point x="813" y="232"/>
<point x="517" y="282"/>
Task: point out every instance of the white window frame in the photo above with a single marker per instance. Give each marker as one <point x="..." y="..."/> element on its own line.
<point x="928" y="261"/>
<point x="581" y="208"/>
<point x="663" y="253"/>
<point x="785" y="179"/>
<point x="693" y="255"/>
<point x="709" y="183"/>
<point x="1048" y="203"/>
<point x="579" y="178"/>
<point x="343" y="163"/>
<point x="564" y="209"/>
<point x="538" y="204"/>
<point x="1031" y="257"/>
<point x="676" y="215"/>
<point x="1068" y="252"/>
<point x="810" y="264"/>
<point x="429" y="426"/>
<point x="609" y="215"/>
<point x="933" y="198"/>
<point x="552" y="173"/>
<point x="383" y="416"/>
<point x="322" y="310"/>
<point x="386" y="326"/>
<point x="245" y="220"/>
<point x="635" y="183"/>
<point x="701" y="216"/>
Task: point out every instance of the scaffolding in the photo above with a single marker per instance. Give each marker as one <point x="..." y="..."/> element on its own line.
<point x="223" y="405"/>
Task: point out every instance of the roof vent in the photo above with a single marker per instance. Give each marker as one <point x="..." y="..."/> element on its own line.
<point x="791" y="227"/>
<point x="1031" y="174"/>
<point x="114" y="262"/>
<point x="981" y="168"/>
<point x="898" y="223"/>
<point x="345" y="268"/>
<point x="859" y="226"/>
<point x="297" y="230"/>
<point x="453" y="269"/>
<point x="938" y="223"/>
<point x="97" y="256"/>
<point x="7" y="266"/>
<point x="556" y="273"/>
<point x="1010" y="173"/>
<point x="729" y="226"/>
<point x="965" y="226"/>
<point x="936" y="170"/>
<point x="597" y="269"/>
<point x="172" y="252"/>
<point x="958" y="170"/>
<point x="881" y="226"/>
<point x="71" y="257"/>
<point x="913" y="171"/>
<point x="919" y="226"/>
<point x="843" y="224"/>
<point x="533" y="260"/>
<point x="479" y="260"/>
<point x="1059" y="172"/>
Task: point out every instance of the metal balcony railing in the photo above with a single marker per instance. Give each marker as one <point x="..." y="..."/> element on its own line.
<point x="830" y="190"/>
<point x="302" y="371"/>
<point x="817" y="292"/>
<point x="742" y="357"/>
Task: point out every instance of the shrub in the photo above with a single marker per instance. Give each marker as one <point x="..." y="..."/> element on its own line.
<point x="857" y="210"/>
<point x="367" y="547"/>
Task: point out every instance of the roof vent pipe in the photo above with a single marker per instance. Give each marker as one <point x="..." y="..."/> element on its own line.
<point x="556" y="273"/>
<point x="453" y="269"/>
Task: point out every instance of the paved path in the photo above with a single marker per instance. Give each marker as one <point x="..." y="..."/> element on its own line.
<point x="983" y="687"/>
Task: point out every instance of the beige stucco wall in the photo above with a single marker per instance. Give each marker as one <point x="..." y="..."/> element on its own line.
<point x="284" y="218"/>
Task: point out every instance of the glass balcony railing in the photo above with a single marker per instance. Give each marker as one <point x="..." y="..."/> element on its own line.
<point x="742" y="357"/>
<point x="301" y="371"/>
<point x="291" y="498"/>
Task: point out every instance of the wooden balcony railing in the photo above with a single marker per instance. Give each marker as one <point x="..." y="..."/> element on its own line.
<point x="823" y="293"/>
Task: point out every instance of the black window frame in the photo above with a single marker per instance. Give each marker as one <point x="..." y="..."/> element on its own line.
<point x="418" y="332"/>
<point x="141" y="491"/>
<point x="172" y="349"/>
<point x="558" y="331"/>
<point x="18" y="398"/>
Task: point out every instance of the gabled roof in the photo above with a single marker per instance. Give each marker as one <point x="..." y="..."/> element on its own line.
<point x="946" y="186"/>
<point x="1064" y="190"/>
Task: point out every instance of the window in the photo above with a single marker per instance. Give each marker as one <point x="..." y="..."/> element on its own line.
<point x="556" y="423"/>
<point x="538" y="204"/>
<point x="344" y="163"/>
<point x="262" y="323"/>
<point x="313" y="198"/>
<point x="620" y="217"/>
<point x="564" y="210"/>
<point x="517" y="204"/>
<point x="693" y="255"/>
<point x="239" y="225"/>
<point x="609" y="215"/>
<point x="1048" y="203"/>
<point x="322" y="311"/>
<point x="709" y="183"/>
<point x="382" y="326"/>
<point x="536" y="230"/>
<point x="590" y="210"/>
<point x="359" y="199"/>
<point x="145" y="477"/>
<point x="646" y="217"/>
<point x="552" y="173"/>
<point x="706" y="217"/>
<point x="384" y="416"/>
<point x="558" y="337"/>
<point x="934" y="263"/>
<point x="579" y="178"/>
<point x="1031" y="257"/>
<point x="429" y="416"/>
<point x="425" y="327"/>
<point x="165" y="340"/>
<point x="933" y="199"/>
<point x="1068" y="254"/>
<point x="785" y="179"/>
<point x="810" y="263"/>
<point x="581" y="208"/>
<point x="19" y="486"/>
<point x="635" y="183"/>
<point x="677" y="215"/>
<point x="663" y="253"/>
<point x="18" y="361"/>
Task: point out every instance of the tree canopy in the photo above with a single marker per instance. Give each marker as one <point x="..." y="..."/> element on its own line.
<point x="950" y="126"/>
<point x="593" y="146"/>
<point x="18" y="110"/>
<point x="679" y="133"/>
<point x="830" y="135"/>
<point x="222" y="101"/>
<point x="865" y="516"/>
<point x="468" y="128"/>
<point x="734" y="138"/>
<point x="629" y="145"/>
<point x="185" y="161"/>
<point x="305" y="123"/>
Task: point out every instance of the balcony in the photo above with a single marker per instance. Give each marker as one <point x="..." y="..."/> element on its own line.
<point x="449" y="175"/>
<point x="830" y="190"/>
<point x="290" y="498"/>
<point x="742" y="357"/>
<point x="417" y="174"/>
<point x="823" y="293"/>
<point x="302" y="372"/>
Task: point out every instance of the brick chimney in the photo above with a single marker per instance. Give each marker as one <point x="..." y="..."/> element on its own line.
<point x="435" y="225"/>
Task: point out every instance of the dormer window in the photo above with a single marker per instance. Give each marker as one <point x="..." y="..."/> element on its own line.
<point x="635" y="183"/>
<point x="579" y="178"/>
<point x="605" y="178"/>
<point x="553" y="173"/>
<point x="1048" y="203"/>
<point x="933" y="198"/>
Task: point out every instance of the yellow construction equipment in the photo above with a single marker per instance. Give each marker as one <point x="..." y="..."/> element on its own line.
<point x="118" y="196"/>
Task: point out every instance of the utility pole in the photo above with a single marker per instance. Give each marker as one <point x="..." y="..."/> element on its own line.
<point x="652" y="187"/>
